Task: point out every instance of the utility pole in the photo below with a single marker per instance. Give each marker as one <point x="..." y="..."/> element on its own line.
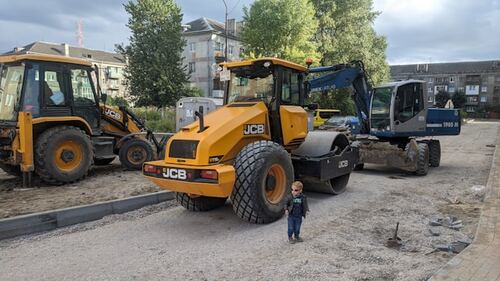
<point x="225" y="31"/>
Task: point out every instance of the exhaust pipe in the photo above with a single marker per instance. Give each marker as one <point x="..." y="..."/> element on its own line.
<point x="199" y="114"/>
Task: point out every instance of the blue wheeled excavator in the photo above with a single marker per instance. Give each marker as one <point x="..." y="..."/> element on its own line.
<point x="397" y="122"/>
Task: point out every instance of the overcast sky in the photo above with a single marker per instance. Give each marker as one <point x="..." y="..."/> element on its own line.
<point x="416" y="30"/>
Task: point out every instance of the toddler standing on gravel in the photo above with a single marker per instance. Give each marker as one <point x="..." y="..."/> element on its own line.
<point x="296" y="208"/>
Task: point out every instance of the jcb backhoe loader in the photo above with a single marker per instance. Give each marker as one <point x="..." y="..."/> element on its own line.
<point x="252" y="148"/>
<point x="51" y="121"/>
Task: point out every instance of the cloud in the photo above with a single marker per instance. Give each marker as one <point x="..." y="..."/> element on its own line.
<point x="416" y="30"/>
<point x="439" y="30"/>
<point x="104" y="22"/>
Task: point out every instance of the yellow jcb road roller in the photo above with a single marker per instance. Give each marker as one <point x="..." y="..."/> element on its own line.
<point x="253" y="147"/>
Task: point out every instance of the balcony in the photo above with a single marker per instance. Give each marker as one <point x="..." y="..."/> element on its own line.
<point x="472" y="101"/>
<point x="113" y="73"/>
<point x="113" y="87"/>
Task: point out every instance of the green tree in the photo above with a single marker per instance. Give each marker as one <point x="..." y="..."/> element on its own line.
<point x="345" y="33"/>
<point x="442" y="98"/>
<point x="279" y="28"/>
<point x="194" y="92"/>
<point x="117" y="101"/>
<point x="459" y="99"/>
<point x="155" y="73"/>
<point x="339" y="99"/>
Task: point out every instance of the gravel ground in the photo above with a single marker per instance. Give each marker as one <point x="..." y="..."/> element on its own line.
<point x="103" y="183"/>
<point x="344" y="235"/>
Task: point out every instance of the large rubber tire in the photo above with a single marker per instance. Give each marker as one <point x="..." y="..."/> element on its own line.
<point x="199" y="203"/>
<point x="422" y="159"/>
<point x="264" y="174"/>
<point x="135" y="152"/>
<point x="103" y="162"/>
<point x="63" y="155"/>
<point x="11" y="170"/>
<point x="434" y="153"/>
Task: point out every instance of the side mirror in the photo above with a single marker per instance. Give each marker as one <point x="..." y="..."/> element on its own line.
<point x="104" y="98"/>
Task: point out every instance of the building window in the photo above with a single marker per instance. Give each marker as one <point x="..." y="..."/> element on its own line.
<point x="192" y="67"/>
<point x="230" y="49"/>
<point x="483" y="99"/>
<point x="219" y="46"/>
<point x="497" y="79"/>
<point x="472" y="90"/>
<point x="192" y="46"/>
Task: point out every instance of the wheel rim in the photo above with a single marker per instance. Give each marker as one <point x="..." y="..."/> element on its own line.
<point x="275" y="184"/>
<point x="68" y="156"/>
<point x="137" y="155"/>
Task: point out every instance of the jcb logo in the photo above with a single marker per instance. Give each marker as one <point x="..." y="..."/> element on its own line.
<point x="113" y="114"/>
<point x="343" y="164"/>
<point x="253" y="129"/>
<point x="176" y="174"/>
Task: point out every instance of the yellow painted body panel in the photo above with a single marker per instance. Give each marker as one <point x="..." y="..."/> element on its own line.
<point x="40" y="120"/>
<point x="224" y="187"/>
<point x="293" y="124"/>
<point x="273" y="60"/>
<point x="26" y="141"/>
<point x="110" y="114"/>
<point x="224" y="135"/>
<point x="42" y="57"/>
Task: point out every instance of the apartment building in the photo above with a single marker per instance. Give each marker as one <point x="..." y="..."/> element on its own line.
<point x="479" y="80"/>
<point x="111" y="65"/>
<point x="205" y="49"/>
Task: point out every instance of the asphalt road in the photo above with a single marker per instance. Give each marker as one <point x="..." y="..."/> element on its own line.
<point x="344" y="235"/>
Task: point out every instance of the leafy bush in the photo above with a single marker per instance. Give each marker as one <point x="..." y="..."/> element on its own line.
<point x="442" y="98"/>
<point x="117" y="101"/>
<point x="161" y="121"/>
<point x="338" y="99"/>
<point x="459" y="99"/>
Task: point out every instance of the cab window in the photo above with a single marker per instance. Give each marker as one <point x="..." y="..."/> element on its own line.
<point x="290" y="89"/>
<point x="82" y="89"/>
<point x="31" y="101"/>
<point x="53" y="87"/>
<point x="408" y="102"/>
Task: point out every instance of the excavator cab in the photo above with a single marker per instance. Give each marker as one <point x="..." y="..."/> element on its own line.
<point x="401" y="109"/>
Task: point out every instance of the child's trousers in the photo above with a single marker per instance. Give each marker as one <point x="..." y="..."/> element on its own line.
<point x="294" y="226"/>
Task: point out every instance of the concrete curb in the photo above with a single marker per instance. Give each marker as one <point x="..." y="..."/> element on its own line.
<point x="49" y="220"/>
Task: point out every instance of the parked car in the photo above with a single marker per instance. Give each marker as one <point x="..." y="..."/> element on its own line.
<point x="321" y="115"/>
<point x="342" y="123"/>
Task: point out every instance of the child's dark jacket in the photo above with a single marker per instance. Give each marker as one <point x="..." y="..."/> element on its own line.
<point x="304" y="207"/>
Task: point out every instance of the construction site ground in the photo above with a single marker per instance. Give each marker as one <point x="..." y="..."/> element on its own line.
<point x="344" y="236"/>
<point x="102" y="184"/>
